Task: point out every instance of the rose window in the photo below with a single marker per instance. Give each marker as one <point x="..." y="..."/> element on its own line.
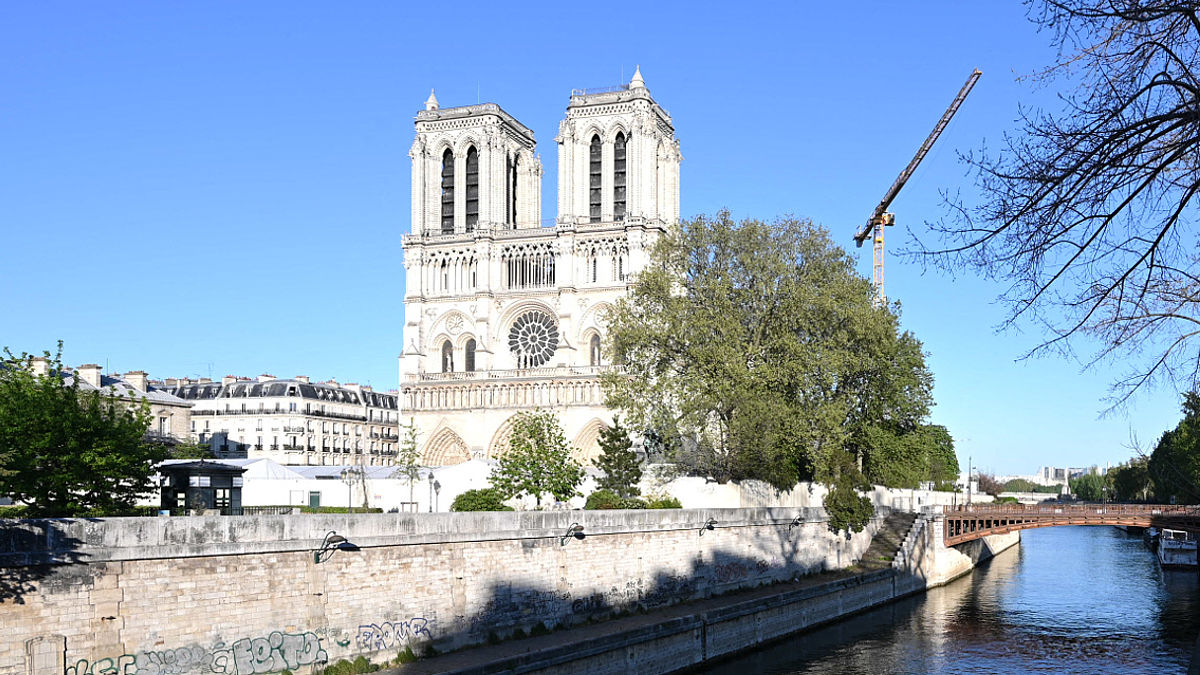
<point x="533" y="339"/>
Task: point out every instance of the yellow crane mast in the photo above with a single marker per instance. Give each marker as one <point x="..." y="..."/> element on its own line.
<point x="881" y="218"/>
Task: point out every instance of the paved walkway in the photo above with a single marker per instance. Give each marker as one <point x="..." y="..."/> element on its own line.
<point x="498" y="658"/>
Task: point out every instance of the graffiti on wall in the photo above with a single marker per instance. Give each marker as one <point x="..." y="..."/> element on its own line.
<point x="391" y="634"/>
<point x="273" y="653"/>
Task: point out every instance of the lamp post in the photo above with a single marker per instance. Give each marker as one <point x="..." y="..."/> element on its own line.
<point x="437" y="493"/>
<point x="430" y="477"/>
<point x="349" y="475"/>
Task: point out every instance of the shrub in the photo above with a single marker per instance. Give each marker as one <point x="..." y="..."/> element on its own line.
<point x="17" y="511"/>
<point x="664" y="503"/>
<point x="483" y="499"/>
<point x="632" y="503"/>
<point x="1006" y="500"/>
<point x="406" y="656"/>
<point x="602" y="499"/>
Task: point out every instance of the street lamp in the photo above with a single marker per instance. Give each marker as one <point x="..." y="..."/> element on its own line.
<point x="349" y="475"/>
<point x="435" y="488"/>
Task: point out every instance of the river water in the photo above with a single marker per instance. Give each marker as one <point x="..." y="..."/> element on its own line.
<point x="1067" y="600"/>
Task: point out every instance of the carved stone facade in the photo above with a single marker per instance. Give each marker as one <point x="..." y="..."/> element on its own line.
<point x="501" y="312"/>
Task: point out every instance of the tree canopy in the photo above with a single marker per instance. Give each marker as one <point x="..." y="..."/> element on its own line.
<point x="1089" y="213"/>
<point x="69" y="451"/>
<point x="538" y="460"/>
<point x="754" y="350"/>
<point x="1174" y="466"/>
<point x="618" y="461"/>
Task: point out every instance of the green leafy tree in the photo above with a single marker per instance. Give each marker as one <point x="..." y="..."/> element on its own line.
<point x="906" y="458"/>
<point x="618" y="461"/>
<point x="69" y="451"/>
<point x="189" y="450"/>
<point x="407" y="457"/>
<point x="538" y="461"/>
<point x="847" y="509"/>
<point x="754" y="350"/>
<point x="1091" y="487"/>
<point x="1131" y="480"/>
<point x="1174" y="466"/>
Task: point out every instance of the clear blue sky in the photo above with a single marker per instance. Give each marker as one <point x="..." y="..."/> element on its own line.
<point x="211" y="188"/>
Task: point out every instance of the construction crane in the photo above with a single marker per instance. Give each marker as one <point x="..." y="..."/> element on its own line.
<point x="881" y="218"/>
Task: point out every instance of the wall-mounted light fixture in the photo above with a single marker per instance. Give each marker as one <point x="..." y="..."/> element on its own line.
<point x="332" y="543"/>
<point x="708" y="525"/>
<point x="575" y="531"/>
<point x="796" y="522"/>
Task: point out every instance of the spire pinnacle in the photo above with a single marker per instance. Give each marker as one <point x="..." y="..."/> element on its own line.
<point x="431" y="103"/>
<point x="637" y="82"/>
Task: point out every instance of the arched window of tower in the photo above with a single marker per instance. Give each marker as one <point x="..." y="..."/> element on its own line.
<point x="469" y="357"/>
<point x="448" y="192"/>
<point x="511" y="185"/>
<point x="594" y="350"/>
<point x="595" y="180"/>
<point x="447" y="357"/>
<point x="472" y="188"/>
<point x="619" y="177"/>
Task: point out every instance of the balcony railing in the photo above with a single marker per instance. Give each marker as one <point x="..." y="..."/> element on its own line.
<point x="553" y="371"/>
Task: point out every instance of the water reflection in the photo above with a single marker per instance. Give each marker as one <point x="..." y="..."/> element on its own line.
<point x="1069" y="599"/>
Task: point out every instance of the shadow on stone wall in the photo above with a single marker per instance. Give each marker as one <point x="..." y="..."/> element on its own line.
<point x="515" y="610"/>
<point x="36" y="555"/>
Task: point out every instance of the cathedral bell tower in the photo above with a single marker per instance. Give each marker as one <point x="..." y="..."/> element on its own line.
<point x="474" y="168"/>
<point x="618" y="158"/>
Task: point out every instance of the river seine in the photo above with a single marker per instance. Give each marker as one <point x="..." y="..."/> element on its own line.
<point x="1067" y="600"/>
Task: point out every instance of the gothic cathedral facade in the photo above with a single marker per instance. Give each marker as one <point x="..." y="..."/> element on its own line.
<point x="503" y="312"/>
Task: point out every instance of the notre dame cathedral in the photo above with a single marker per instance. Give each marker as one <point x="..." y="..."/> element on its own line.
<point x="504" y="312"/>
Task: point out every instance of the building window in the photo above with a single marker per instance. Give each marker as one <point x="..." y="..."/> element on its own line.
<point x="512" y="191"/>
<point x="469" y="357"/>
<point x="222" y="498"/>
<point x="447" y="192"/>
<point x="533" y="339"/>
<point x="594" y="180"/>
<point x="164" y="425"/>
<point x="594" y="350"/>
<point x="472" y="188"/>
<point x="619" y="177"/>
<point x="447" y="357"/>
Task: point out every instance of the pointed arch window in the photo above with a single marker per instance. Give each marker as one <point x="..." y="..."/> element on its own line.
<point x="447" y="357"/>
<point x="472" y="188"/>
<point x="594" y="350"/>
<point x="447" y="192"/>
<point x="511" y="184"/>
<point x="619" y="177"/>
<point x="594" y="180"/>
<point x="469" y="356"/>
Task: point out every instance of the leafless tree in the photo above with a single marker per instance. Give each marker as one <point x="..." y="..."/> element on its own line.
<point x="1088" y="212"/>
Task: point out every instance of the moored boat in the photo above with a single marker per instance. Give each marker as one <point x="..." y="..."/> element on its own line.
<point x="1176" y="549"/>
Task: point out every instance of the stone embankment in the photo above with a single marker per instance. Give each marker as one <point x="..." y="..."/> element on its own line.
<point x="254" y="595"/>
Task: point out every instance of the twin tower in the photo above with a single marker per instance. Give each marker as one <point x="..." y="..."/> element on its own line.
<point x="504" y="311"/>
<point x="475" y="167"/>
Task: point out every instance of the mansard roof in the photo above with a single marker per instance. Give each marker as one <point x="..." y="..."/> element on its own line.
<point x="318" y="391"/>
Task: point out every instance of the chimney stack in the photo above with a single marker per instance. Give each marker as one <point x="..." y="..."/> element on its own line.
<point x="40" y="366"/>
<point x="229" y="379"/>
<point x="138" y="380"/>
<point x="90" y="373"/>
<point x="302" y="378"/>
<point x="265" y="377"/>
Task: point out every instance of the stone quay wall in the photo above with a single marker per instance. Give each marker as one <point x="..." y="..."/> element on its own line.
<point x="243" y="595"/>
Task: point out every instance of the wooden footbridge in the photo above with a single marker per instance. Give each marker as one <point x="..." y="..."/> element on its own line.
<point x="972" y="521"/>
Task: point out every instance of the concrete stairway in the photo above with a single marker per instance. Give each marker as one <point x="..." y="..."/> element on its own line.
<point x="886" y="542"/>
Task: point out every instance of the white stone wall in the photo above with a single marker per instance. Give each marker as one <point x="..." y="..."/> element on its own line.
<point x="203" y="594"/>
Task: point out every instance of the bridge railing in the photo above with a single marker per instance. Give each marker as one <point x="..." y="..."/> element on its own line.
<point x="1037" y="509"/>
